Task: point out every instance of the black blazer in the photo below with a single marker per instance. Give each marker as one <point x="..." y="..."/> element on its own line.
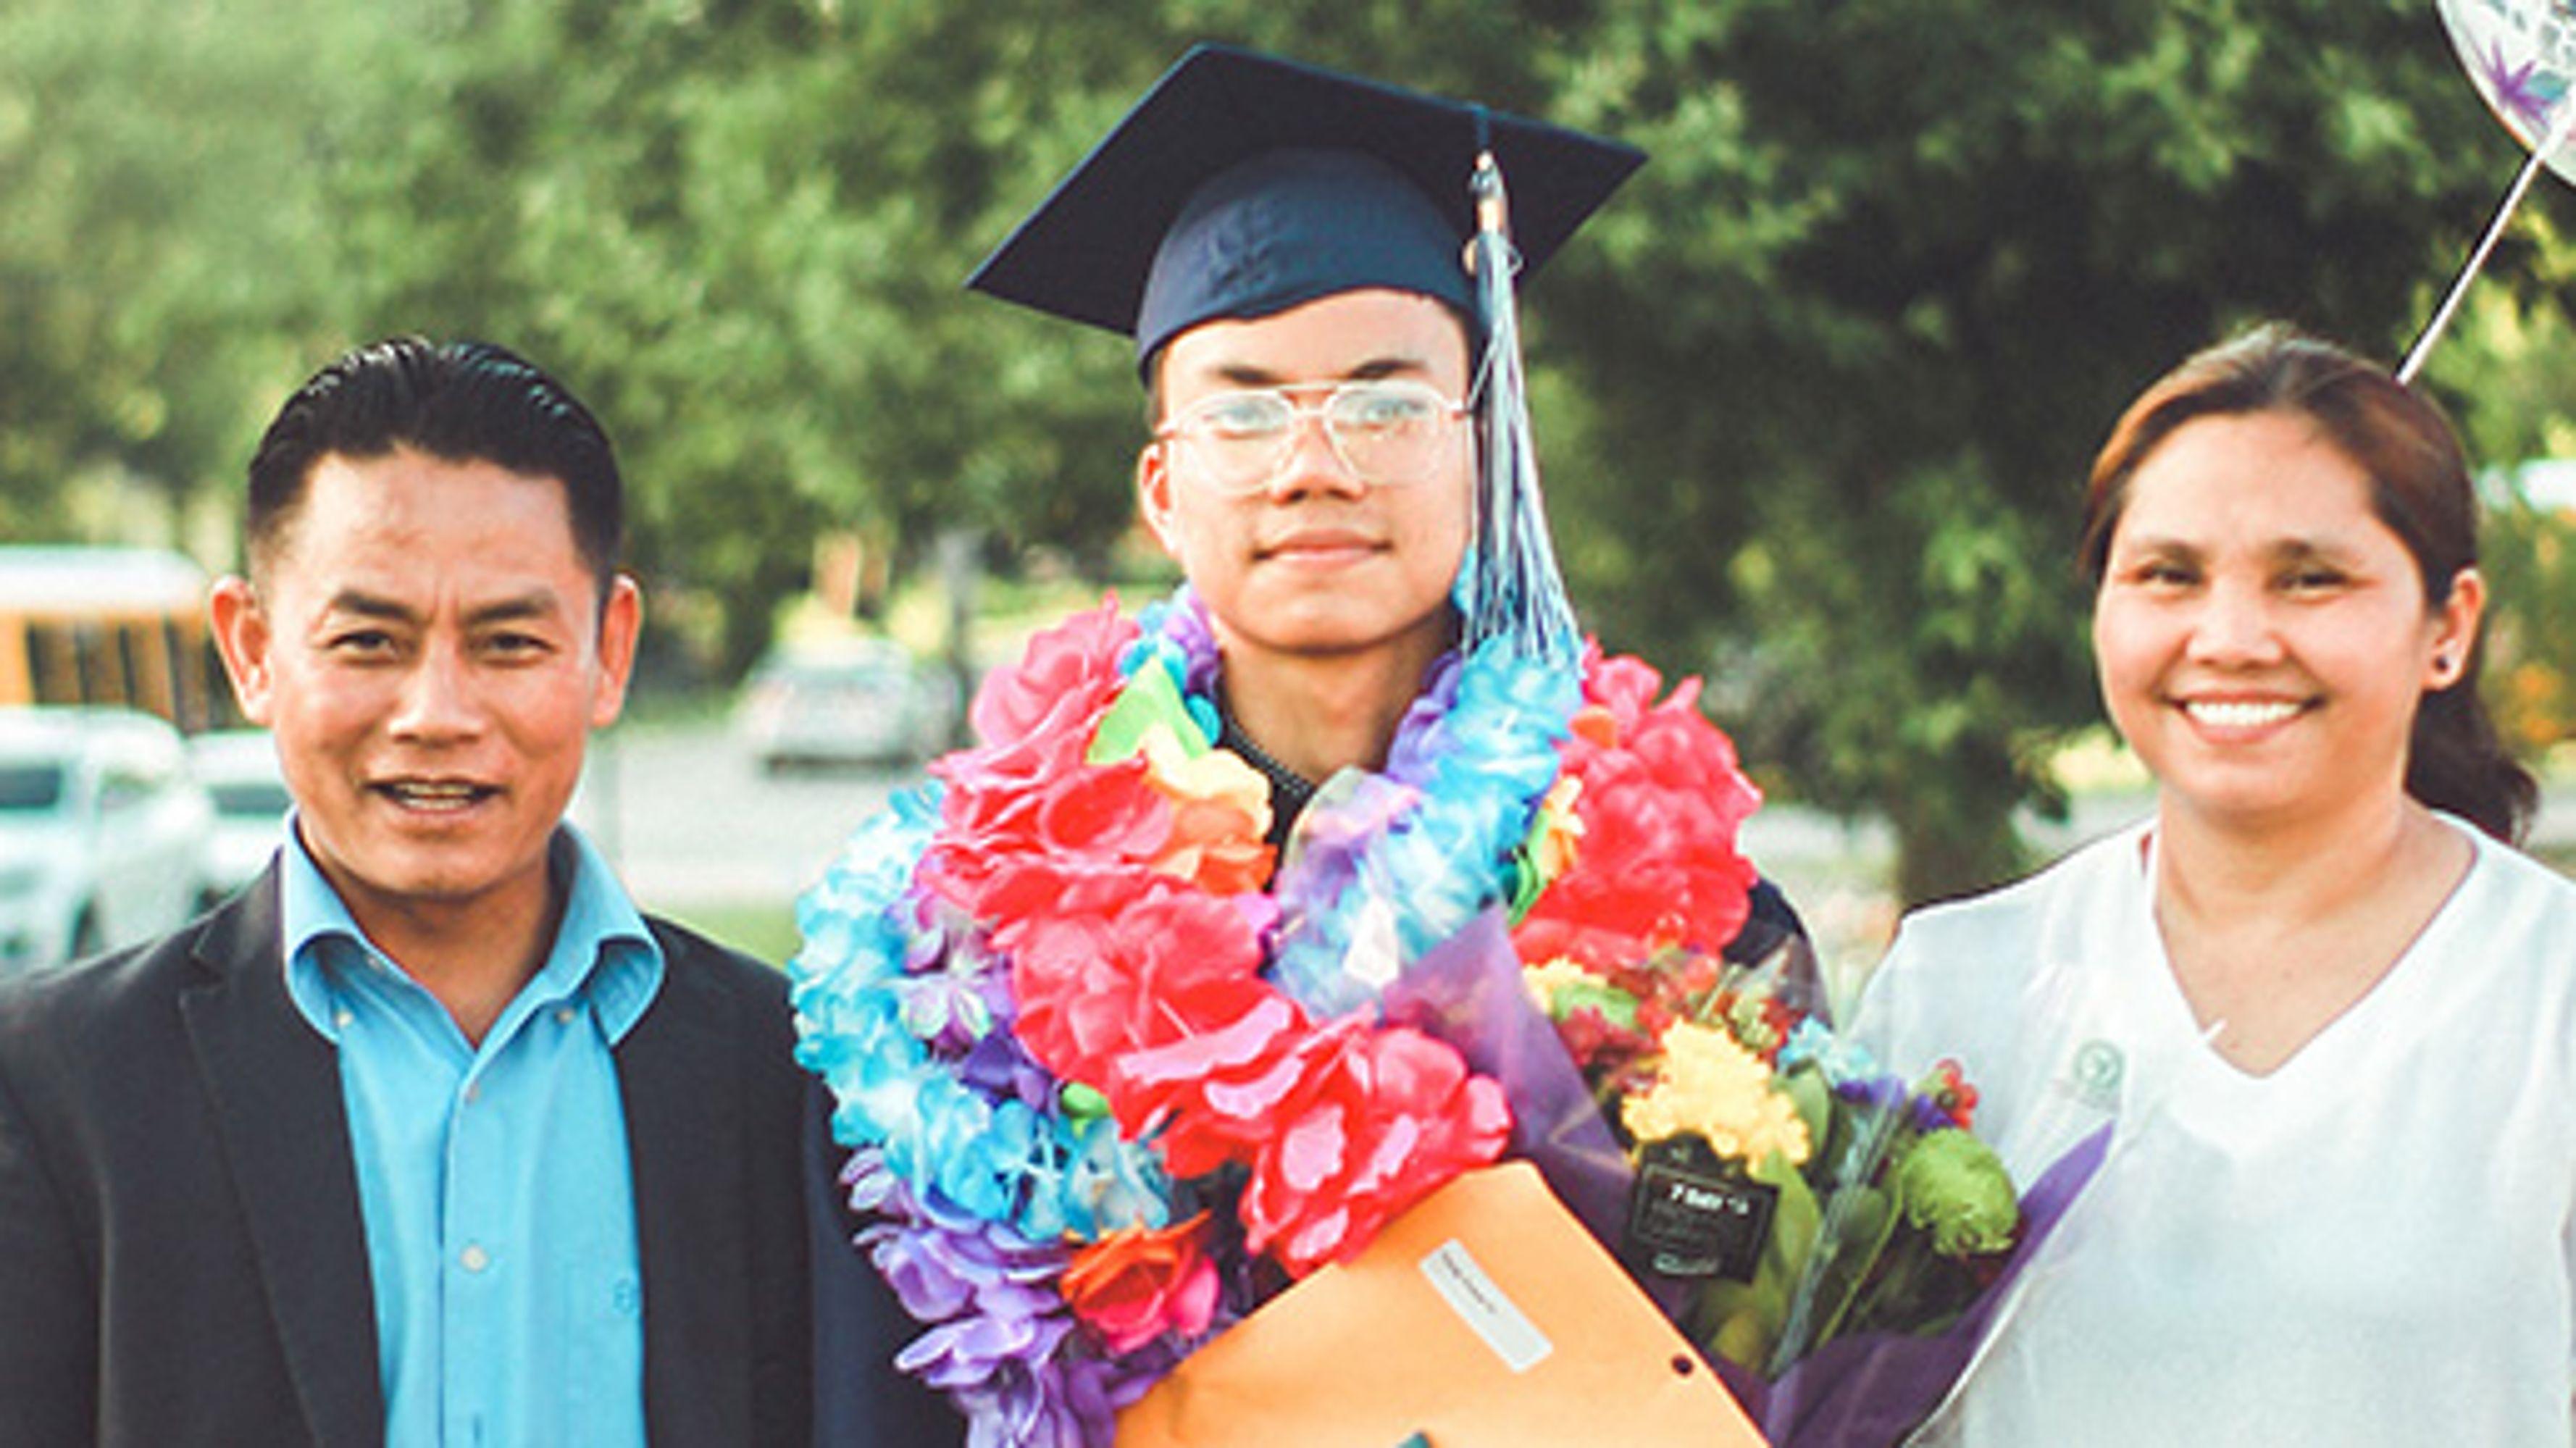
<point x="182" y="1259"/>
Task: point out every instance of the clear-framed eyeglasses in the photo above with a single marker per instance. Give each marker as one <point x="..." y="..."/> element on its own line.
<point x="1387" y="432"/>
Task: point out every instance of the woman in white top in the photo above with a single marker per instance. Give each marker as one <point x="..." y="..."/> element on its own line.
<point x="2331" y="1013"/>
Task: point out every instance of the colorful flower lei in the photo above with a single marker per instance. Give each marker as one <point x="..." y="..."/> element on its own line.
<point x="1094" y="1074"/>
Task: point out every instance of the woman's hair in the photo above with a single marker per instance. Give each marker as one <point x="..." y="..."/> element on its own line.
<point x="2419" y="488"/>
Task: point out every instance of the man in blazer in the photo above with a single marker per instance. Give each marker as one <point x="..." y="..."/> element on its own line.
<point x="428" y="1136"/>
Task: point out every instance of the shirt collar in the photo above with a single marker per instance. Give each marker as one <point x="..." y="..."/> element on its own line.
<point x="602" y="948"/>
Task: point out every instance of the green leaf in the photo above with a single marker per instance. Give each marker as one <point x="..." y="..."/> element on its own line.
<point x="1149" y="699"/>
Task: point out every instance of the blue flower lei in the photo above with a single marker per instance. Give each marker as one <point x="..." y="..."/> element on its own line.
<point x="958" y="1134"/>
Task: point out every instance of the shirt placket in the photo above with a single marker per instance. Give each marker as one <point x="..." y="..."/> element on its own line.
<point x="479" y="1259"/>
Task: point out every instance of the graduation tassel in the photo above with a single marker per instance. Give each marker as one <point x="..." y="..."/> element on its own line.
<point x="1513" y="590"/>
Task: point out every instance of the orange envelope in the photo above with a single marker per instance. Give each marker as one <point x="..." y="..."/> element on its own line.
<point x="1486" y="1317"/>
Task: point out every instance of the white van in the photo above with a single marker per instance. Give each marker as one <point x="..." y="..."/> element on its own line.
<point x="103" y="833"/>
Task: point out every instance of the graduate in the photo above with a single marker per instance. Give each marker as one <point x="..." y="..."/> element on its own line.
<point x="1159" y="904"/>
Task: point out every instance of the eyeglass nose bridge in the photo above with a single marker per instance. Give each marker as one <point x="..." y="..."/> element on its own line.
<point x="1312" y="414"/>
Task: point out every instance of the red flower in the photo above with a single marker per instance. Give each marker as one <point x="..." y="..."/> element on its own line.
<point x="1035" y="719"/>
<point x="1214" y="1093"/>
<point x="1660" y="802"/>
<point x="1376" y="1120"/>
<point x="1947" y="1087"/>
<point x="1123" y="961"/>
<point x="1136" y="1284"/>
<point x="1085" y="816"/>
<point x="1067" y="674"/>
<point x="1623" y="687"/>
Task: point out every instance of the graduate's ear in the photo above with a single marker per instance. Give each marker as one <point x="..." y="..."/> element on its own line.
<point x="1154" y="495"/>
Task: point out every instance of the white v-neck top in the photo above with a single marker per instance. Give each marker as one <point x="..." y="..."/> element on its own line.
<point x="2371" y="1244"/>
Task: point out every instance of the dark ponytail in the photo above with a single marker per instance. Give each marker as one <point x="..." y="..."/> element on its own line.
<point x="2455" y="761"/>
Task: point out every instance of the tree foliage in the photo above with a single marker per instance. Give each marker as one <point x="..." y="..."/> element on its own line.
<point x="1858" y="336"/>
<point x="148" y="253"/>
<point x="1815" y="390"/>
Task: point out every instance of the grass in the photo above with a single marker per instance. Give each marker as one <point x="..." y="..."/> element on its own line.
<point x="765" y="931"/>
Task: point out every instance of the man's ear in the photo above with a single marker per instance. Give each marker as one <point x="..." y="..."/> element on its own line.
<point x="621" y="620"/>
<point x="1154" y="496"/>
<point x="243" y="637"/>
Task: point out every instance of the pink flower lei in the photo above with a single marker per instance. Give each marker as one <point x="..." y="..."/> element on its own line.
<point x="1087" y="1060"/>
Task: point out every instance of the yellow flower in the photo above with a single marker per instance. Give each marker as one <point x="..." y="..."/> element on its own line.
<point x="1544" y="981"/>
<point x="1708" y="1086"/>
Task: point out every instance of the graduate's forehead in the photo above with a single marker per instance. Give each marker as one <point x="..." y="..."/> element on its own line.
<point x="1354" y="335"/>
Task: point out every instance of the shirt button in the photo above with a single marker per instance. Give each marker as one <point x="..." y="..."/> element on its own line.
<point x="563" y="1015"/>
<point x="474" y="1258"/>
<point x="342" y="1019"/>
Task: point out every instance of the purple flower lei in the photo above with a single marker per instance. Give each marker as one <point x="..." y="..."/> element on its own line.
<point x="977" y="1169"/>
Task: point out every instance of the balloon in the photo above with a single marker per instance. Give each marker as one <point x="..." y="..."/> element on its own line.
<point x="2521" y="55"/>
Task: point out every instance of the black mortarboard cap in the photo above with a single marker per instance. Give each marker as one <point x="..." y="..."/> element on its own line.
<point x="1243" y="185"/>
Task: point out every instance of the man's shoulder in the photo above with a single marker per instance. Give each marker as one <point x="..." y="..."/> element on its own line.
<point x="117" y="980"/>
<point x="113" y="1012"/>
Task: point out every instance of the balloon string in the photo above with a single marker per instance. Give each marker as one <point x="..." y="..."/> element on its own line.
<point x="2558" y="134"/>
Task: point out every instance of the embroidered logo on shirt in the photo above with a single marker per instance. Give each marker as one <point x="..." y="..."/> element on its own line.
<point x="2093" y="1076"/>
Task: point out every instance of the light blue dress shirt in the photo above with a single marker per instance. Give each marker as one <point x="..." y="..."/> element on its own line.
<point x="494" y="1181"/>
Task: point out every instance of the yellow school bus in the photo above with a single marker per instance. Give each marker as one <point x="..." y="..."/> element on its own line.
<point x="81" y="625"/>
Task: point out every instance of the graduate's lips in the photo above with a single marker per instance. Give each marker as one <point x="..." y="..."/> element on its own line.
<point x="1320" y="545"/>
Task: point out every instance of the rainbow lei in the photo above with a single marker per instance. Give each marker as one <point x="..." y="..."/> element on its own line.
<point x="1098" y="1080"/>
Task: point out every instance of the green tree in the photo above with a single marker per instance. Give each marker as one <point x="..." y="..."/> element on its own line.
<point x="1815" y="391"/>
<point x="739" y="230"/>
<point x="1897" y="267"/>
<point x="2508" y="374"/>
<point x="149" y="250"/>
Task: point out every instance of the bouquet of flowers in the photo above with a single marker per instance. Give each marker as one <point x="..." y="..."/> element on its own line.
<point x="1110" y="1081"/>
<point x="1832" y="1235"/>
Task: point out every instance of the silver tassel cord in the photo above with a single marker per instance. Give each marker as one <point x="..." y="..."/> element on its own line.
<point x="1514" y="590"/>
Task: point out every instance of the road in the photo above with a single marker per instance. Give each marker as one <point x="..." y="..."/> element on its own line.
<point x="689" y="818"/>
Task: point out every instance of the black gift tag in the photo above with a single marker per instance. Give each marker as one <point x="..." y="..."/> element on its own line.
<point x="1692" y="1215"/>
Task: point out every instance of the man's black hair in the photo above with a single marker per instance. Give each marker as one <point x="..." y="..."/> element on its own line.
<point x="456" y="401"/>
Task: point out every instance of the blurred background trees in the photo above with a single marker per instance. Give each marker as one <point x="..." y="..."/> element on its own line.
<point x="1815" y="392"/>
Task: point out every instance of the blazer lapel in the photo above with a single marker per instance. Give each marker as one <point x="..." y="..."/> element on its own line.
<point x="275" y="1086"/>
<point x="683" y="1098"/>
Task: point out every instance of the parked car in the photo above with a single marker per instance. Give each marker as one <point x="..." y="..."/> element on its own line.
<point x="848" y="701"/>
<point x="238" y="767"/>
<point x="103" y="832"/>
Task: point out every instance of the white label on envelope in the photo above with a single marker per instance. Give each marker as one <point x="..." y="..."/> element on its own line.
<point x="1482" y="1306"/>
